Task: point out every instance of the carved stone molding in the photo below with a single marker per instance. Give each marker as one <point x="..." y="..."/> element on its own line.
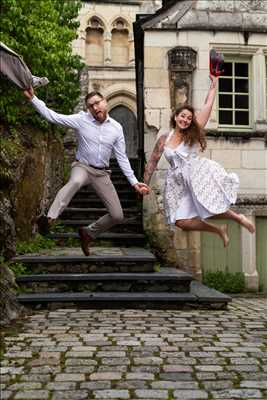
<point x="182" y="62"/>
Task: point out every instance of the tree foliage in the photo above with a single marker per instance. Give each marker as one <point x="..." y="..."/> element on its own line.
<point x="41" y="31"/>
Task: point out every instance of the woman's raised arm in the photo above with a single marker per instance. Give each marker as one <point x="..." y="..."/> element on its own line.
<point x="203" y="116"/>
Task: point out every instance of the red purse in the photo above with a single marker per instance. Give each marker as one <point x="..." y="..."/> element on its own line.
<point x="216" y="63"/>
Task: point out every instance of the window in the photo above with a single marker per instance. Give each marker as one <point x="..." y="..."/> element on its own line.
<point x="95" y="42"/>
<point x="120" y="43"/>
<point x="234" y="95"/>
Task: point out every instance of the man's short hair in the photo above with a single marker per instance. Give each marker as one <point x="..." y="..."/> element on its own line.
<point x="92" y="94"/>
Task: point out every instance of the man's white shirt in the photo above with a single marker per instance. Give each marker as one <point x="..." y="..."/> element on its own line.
<point x="96" y="140"/>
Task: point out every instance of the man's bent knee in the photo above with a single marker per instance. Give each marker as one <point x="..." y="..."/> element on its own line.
<point x="117" y="218"/>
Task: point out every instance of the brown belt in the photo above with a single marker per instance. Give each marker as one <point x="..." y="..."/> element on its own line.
<point x="92" y="166"/>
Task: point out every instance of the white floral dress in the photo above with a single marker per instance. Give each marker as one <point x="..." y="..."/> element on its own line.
<point x="194" y="186"/>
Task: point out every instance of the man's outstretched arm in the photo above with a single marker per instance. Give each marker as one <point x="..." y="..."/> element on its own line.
<point x="70" y="121"/>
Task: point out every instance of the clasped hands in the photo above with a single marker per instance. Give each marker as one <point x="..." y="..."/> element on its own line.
<point x="142" y="188"/>
<point x="29" y="93"/>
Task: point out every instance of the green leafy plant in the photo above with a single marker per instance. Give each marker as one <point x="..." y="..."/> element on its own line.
<point x="226" y="282"/>
<point x="35" y="245"/>
<point x="18" y="268"/>
<point x="157" y="267"/>
<point x="72" y="242"/>
<point x="42" y="33"/>
<point x="59" y="227"/>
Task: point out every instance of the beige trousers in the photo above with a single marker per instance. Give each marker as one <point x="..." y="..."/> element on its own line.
<point x="82" y="175"/>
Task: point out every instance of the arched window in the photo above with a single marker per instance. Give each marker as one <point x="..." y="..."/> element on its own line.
<point x="120" y="43"/>
<point x="127" y="119"/>
<point x="94" y="42"/>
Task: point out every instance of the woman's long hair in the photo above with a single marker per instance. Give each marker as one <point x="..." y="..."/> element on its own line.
<point x="194" y="133"/>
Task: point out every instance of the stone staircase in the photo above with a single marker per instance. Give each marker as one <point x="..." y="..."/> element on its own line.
<point x="119" y="273"/>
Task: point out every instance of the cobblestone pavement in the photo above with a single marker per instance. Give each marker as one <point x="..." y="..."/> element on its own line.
<point x="131" y="354"/>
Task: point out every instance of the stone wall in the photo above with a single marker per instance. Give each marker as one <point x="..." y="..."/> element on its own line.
<point x="36" y="176"/>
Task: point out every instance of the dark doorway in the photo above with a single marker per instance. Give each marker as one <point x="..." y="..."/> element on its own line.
<point x="128" y="121"/>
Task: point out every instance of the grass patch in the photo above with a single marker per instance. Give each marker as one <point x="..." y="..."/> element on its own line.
<point x="39" y="243"/>
<point x="18" y="268"/>
<point x="225" y="282"/>
<point x="157" y="267"/>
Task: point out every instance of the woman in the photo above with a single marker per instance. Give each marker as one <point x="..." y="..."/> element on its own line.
<point x="196" y="189"/>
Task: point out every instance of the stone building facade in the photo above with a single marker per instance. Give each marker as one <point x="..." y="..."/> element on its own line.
<point x="106" y="44"/>
<point x="173" y="67"/>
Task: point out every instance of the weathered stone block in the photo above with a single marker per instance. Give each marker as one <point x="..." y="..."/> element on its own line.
<point x="180" y="239"/>
<point x="227" y="158"/>
<point x="165" y="115"/>
<point x="157" y="98"/>
<point x="254" y="159"/>
<point x="152" y="118"/>
<point x="156" y="78"/>
<point x="154" y="57"/>
<point x="254" y="180"/>
<point x="154" y="39"/>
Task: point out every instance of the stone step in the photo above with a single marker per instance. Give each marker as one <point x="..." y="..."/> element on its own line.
<point x="199" y="296"/>
<point x="91" y="194"/>
<point x="96" y="202"/>
<point x="167" y="280"/>
<point x="207" y="296"/>
<point x="117" y="239"/>
<point x="116" y="171"/>
<point x="102" y="260"/>
<point x="128" y="226"/>
<point x="94" y="212"/>
<point x="109" y="299"/>
<point x="119" y="185"/>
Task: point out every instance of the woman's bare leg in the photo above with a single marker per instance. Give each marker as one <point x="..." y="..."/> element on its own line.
<point x="239" y="218"/>
<point x="196" y="224"/>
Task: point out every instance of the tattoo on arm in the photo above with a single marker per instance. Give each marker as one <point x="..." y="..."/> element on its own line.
<point x="154" y="159"/>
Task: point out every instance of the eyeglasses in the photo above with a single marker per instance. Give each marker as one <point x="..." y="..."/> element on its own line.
<point x="91" y="105"/>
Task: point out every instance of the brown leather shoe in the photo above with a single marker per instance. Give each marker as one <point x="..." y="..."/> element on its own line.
<point x="86" y="239"/>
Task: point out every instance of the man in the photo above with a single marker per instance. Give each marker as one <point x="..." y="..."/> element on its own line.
<point x="98" y="135"/>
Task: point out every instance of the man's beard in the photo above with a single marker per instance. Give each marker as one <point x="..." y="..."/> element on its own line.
<point x="101" y="116"/>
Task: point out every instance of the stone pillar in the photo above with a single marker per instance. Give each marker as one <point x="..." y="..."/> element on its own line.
<point x="259" y="92"/>
<point x="248" y="252"/>
<point x="131" y="50"/>
<point x="107" y="48"/>
<point x="82" y="40"/>
<point x="182" y="62"/>
<point x="194" y="256"/>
